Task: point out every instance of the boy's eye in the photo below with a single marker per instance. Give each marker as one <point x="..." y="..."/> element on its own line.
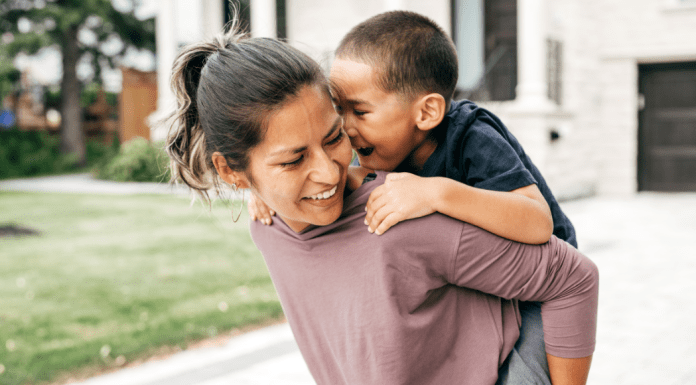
<point x="293" y="163"/>
<point x="359" y="112"/>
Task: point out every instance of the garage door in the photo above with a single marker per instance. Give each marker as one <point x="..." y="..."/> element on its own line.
<point x="667" y="127"/>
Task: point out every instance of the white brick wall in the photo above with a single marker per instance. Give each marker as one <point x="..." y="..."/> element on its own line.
<point x="317" y="26"/>
<point x="604" y="41"/>
<point x="603" y="44"/>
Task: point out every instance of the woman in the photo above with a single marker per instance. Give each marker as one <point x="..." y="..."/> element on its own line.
<point x="408" y="307"/>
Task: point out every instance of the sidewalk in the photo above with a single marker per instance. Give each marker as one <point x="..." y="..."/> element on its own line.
<point x="85" y="183"/>
<point x="643" y="245"/>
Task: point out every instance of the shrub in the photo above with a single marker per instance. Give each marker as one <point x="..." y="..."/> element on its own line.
<point x="31" y="153"/>
<point x="100" y="153"/>
<point x="138" y="161"/>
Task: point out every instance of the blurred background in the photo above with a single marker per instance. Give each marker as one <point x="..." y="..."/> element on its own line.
<point x="601" y="94"/>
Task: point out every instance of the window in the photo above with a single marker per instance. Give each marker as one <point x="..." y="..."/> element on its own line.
<point x="243" y="7"/>
<point x="554" y="76"/>
<point x="485" y="34"/>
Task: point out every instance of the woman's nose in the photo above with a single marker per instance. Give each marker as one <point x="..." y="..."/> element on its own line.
<point x="324" y="169"/>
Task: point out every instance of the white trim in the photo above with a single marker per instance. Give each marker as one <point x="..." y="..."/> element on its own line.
<point x="674" y="6"/>
<point x="647" y="56"/>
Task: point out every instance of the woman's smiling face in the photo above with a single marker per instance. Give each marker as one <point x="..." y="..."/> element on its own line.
<point x="300" y="168"/>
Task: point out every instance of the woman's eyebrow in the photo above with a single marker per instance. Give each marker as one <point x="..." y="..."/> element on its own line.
<point x="335" y="127"/>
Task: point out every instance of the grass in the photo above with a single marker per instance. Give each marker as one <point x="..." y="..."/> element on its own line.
<point x="111" y="279"/>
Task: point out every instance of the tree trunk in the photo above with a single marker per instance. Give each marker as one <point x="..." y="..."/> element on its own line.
<point x="72" y="138"/>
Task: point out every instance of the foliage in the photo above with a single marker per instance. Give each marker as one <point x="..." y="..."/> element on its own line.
<point x="9" y="76"/>
<point x="48" y="20"/>
<point x="85" y="31"/>
<point x="100" y="152"/>
<point x="90" y="93"/>
<point x="30" y="153"/>
<point x="112" y="279"/>
<point x="138" y="161"/>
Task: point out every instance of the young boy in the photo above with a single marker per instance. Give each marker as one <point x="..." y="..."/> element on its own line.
<point x="393" y="79"/>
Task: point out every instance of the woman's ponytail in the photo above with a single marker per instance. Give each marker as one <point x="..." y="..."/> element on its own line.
<point x="186" y="144"/>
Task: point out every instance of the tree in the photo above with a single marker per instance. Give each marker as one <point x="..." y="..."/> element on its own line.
<point x="83" y="30"/>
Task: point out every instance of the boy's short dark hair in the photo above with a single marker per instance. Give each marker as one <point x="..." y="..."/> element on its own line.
<point x="413" y="54"/>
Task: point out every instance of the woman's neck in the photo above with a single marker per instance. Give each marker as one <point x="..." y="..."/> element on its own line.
<point x="356" y="175"/>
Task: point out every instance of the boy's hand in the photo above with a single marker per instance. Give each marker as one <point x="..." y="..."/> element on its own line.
<point x="258" y="210"/>
<point x="403" y="196"/>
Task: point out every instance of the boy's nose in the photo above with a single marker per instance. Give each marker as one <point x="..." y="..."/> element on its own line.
<point x="349" y="126"/>
<point x="352" y="132"/>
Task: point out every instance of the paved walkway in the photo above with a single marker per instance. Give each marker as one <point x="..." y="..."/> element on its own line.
<point x="85" y="183"/>
<point x="644" y="247"/>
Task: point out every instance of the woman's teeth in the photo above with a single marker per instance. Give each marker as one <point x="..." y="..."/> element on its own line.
<point x="325" y="194"/>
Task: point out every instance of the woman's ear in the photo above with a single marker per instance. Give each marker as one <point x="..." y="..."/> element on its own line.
<point x="431" y="109"/>
<point x="227" y="174"/>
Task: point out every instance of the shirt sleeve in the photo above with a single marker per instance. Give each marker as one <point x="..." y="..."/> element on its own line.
<point x="556" y="274"/>
<point x="489" y="161"/>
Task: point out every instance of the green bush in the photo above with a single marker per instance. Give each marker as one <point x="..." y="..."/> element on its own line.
<point x="138" y="161"/>
<point x="31" y="153"/>
<point x="100" y="153"/>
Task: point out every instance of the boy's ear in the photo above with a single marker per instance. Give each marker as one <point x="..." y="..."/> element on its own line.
<point x="227" y="174"/>
<point x="431" y="109"/>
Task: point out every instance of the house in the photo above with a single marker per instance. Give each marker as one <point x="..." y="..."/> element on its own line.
<point x="602" y="94"/>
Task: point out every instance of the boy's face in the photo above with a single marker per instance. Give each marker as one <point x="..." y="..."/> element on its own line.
<point x="381" y="125"/>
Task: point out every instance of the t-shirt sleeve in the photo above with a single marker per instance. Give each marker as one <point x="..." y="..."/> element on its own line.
<point x="489" y="161"/>
<point x="555" y="273"/>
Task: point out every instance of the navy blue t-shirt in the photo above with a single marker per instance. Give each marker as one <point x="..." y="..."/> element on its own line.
<point x="475" y="148"/>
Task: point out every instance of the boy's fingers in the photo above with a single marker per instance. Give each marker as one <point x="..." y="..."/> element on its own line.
<point x="378" y="218"/>
<point x="387" y="223"/>
<point x="373" y="208"/>
<point x="374" y="195"/>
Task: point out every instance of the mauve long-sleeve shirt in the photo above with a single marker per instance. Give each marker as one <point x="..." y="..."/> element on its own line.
<point x="431" y="301"/>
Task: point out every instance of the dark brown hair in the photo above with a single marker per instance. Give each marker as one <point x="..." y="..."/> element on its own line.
<point x="225" y="90"/>
<point x="411" y="52"/>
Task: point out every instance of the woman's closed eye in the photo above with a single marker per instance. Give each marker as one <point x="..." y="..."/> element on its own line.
<point x="336" y="138"/>
<point x="359" y="112"/>
<point x="294" y="162"/>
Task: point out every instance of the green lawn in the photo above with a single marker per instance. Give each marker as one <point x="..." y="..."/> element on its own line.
<point x="111" y="279"/>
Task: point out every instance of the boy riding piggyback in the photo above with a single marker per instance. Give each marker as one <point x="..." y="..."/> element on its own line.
<point x="392" y="80"/>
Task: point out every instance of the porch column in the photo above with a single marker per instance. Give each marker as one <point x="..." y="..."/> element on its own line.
<point x="213" y="17"/>
<point x="165" y="40"/>
<point x="531" y="54"/>
<point x="263" y="18"/>
<point x="529" y="115"/>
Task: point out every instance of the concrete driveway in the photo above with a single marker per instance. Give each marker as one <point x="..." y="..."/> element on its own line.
<point x="643" y="245"/>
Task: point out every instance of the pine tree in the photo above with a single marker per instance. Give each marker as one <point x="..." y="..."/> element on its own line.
<point x="35" y="24"/>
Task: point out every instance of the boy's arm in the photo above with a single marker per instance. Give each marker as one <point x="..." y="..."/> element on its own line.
<point x="520" y="215"/>
<point x="569" y="371"/>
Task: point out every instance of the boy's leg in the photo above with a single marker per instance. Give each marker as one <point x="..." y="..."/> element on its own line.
<point x="527" y="363"/>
